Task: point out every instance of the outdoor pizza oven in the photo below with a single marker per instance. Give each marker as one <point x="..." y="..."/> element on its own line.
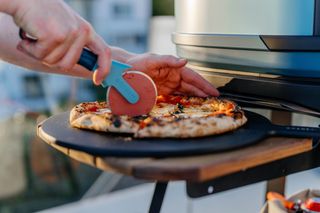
<point x="265" y="52"/>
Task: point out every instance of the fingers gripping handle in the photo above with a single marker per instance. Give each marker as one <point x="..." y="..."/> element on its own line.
<point x="89" y="60"/>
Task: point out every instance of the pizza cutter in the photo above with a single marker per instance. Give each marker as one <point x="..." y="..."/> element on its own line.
<point x="130" y="93"/>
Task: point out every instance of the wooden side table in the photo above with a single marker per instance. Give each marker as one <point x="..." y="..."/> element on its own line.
<point x="209" y="173"/>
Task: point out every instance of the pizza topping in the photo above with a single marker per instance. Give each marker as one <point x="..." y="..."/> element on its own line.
<point x="139" y="118"/>
<point x="104" y="111"/>
<point x="237" y="115"/>
<point x="221" y="115"/>
<point x="168" y="99"/>
<point x="173" y="99"/>
<point x="155" y="121"/>
<point x="145" y="122"/>
<point x="92" y="108"/>
<point x="178" y="109"/>
<point x="172" y="116"/>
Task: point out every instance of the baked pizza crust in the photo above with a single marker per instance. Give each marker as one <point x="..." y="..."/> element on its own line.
<point x="101" y="121"/>
<point x="191" y="127"/>
<point x="164" y="121"/>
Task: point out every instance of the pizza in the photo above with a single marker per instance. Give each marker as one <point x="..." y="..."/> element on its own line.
<point x="171" y="117"/>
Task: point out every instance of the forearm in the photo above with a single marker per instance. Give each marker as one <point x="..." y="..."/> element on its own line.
<point x="9" y="39"/>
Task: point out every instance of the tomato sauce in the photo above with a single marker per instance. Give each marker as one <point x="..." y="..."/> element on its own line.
<point x="173" y="100"/>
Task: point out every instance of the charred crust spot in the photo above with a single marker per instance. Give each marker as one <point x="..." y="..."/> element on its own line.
<point x="155" y="119"/>
<point x="116" y="121"/>
<point x="237" y="108"/>
<point x="139" y="118"/>
<point x="198" y="122"/>
<point x="180" y="109"/>
<point x="177" y="119"/>
<point x="237" y="115"/>
<point x="221" y="115"/>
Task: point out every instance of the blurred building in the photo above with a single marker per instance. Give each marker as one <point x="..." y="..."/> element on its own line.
<point x="22" y="90"/>
<point x="122" y="23"/>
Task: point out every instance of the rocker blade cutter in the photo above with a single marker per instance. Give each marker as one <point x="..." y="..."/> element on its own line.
<point x="130" y="93"/>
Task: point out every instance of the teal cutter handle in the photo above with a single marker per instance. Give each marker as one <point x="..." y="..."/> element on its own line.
<point x="89" y="60"/>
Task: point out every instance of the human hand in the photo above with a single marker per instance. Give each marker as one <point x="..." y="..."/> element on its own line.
<point x="171" y="76"/>
<point x="61" y="35"/>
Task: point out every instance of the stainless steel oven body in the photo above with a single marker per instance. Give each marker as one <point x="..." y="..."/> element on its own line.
<point x="264" y="52"/>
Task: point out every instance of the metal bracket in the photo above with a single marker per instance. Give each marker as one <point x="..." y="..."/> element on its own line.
<point x="279" y="168"/>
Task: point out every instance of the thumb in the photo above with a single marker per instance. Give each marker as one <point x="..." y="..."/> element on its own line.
<point x="174" y="62"/>
<point x="103" y="51"/>
<point x="181" y="62"/>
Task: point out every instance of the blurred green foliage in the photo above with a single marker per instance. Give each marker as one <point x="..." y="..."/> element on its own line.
<point x="163" y="8"/>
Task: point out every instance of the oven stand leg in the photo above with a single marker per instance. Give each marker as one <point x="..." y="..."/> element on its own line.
<point x="276" y="185"/>
<point x="157" y="198"/>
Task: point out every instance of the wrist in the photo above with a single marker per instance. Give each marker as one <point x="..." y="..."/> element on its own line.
<point x="121" y="55"/>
